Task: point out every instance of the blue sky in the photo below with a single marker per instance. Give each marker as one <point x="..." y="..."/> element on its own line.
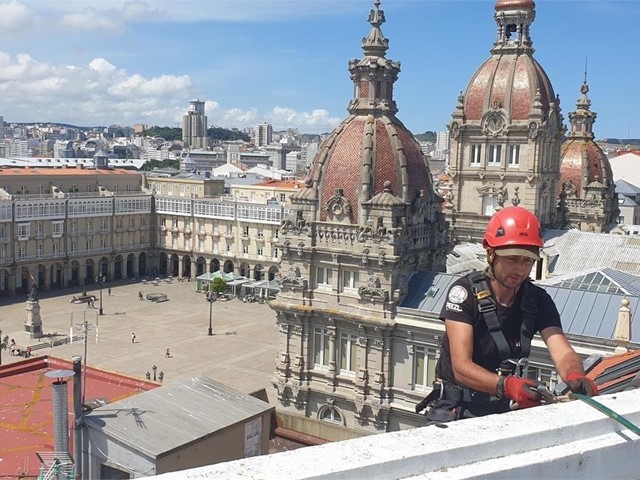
<point x="285" y="61"/>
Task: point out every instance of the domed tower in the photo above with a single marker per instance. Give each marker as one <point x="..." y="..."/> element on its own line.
<point x="588" y="200"/>
<point x="506" y="132"/>
<point x="367" y="219"/>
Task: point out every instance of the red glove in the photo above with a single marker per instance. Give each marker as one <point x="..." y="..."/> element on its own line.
<point x="578" y="383"/>
<point x="522" y="391"/>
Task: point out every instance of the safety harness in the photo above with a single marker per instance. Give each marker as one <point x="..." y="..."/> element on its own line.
<point x="488" y="309"/>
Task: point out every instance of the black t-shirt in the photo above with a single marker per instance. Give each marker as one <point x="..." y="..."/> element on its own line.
<point x="462" y="306"/>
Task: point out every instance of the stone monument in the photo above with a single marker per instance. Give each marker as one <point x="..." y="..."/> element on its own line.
<point x="33" y="323"/>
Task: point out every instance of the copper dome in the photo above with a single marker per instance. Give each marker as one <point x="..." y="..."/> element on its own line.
<point x="382" y="146"/>
<point x="510" y="82"/>
<point x="584" y="162"/>
<point x="515" y="5"/>
<point x="371" y="152"/>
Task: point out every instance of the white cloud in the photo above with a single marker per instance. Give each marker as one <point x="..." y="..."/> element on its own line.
<point x="318" y="120"/>
<point x="100" y="93"/>
<point x="90" y="20"/>
<point x="97" y="93"/>
<point x="15" y="17"/>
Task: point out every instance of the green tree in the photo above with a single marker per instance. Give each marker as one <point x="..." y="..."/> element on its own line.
<point x="218" y="285"/>
<point x="153" y="164"/>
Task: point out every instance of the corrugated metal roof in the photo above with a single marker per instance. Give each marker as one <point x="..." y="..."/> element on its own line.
<point x="582" y="312"/>
<point x="578" y="249"/>
<point x="174" y="415"/>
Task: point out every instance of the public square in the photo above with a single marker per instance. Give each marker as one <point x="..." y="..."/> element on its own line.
<point x="240" y="353"/>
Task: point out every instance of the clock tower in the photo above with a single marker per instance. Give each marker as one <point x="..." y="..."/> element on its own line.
<point x="506" y="132"/>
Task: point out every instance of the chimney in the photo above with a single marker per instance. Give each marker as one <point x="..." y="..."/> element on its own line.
<point x="60" y="411"/>
<point x="77" y="413"/>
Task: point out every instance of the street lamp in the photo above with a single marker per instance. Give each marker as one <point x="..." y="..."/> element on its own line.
<point x="210" y="299"/>
<point x="101" y="279"/>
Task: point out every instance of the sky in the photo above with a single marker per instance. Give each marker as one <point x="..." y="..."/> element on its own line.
<point x="284" y="62"/>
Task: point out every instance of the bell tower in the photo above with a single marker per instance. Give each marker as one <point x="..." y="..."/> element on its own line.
<point x="367" y="219"/>
<point x="506" y="132"/>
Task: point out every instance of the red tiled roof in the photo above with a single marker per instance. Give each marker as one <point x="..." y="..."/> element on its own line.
<point x="619" y="369"/>
<point x="292" y="184"/>
<point x="26" y="418"/>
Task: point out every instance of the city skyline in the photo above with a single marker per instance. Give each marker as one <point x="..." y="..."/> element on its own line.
<point x="285" y="61"/>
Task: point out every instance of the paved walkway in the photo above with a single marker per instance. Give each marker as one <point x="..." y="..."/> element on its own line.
<point x="241" y="353"/>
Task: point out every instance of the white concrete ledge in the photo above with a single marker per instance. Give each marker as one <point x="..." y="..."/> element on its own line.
<point x="569" y="440"/>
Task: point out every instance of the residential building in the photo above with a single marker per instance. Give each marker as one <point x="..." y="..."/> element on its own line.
<point x="263" y="135"/>
<point x="628" y="203"/>
<point x="194" y="126"/>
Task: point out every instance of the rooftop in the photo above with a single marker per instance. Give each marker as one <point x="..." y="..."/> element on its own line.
<point x="26" y="425"/>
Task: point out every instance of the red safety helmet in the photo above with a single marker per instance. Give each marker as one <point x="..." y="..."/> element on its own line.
<point x="513" y="227"/>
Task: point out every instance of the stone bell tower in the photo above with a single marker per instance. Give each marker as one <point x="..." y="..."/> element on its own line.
<point x="366" y="221"/>
<point x="506" y="132"/>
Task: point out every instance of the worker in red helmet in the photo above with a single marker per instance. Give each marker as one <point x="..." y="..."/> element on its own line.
<point x="490" y="318"/>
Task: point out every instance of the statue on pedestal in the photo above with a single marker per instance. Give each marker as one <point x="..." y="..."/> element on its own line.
<point x="33" y="295"/>
<point x="33" y="322"/>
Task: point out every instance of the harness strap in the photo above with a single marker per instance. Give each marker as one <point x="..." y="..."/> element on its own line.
<point x="488" y="309"/>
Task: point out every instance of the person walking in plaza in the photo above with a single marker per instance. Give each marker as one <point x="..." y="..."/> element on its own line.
<point x="109" y="290"/>
<point x="140" y="296"/>
<point x="133" y="337"/>
<point x="167" y="353"/>
<point x="490" y="318"/>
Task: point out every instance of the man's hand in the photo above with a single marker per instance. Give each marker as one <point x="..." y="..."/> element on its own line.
<point x="522" y="391"/>
<point x="578" y="383"/>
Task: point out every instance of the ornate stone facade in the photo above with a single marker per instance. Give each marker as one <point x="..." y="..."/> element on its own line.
<point x="587" y="197"/>
<point x="366" y="221"/>
<point x="506" y="131"/>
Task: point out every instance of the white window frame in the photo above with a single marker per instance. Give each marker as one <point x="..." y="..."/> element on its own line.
<point x="495" y="155"/>
<point x="24" y="231"/>
<point x="349" y="280"/>
<point x="324" y="278"/>
<point x="424" y="368"/>
<point x="514" y="155"/>
<point x="347" y="351"/>
<point x="489" y="204"/>
<point x="476" y="155"/>
<point x="321" y="348"/>
<point x="57" y="228"/>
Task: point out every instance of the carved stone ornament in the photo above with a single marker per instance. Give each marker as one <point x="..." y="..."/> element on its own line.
<point x="293" y="280"/>
<point x="338" y="205"/>
<point x="300" y="225"/>
<point x="454" y="130"/>
<point x="372" y="291"/>
<point x="494" y="124"/>
<point x="533" y="130"/>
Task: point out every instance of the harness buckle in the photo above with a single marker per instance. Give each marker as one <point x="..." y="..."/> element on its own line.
<point x="488" y="307"/>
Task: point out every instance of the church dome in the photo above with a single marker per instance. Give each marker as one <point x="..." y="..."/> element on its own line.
<point x="582" y="161"/>
<point x="509" y="82"/>
<point x="515" y="4"/>
<point x="371" y="151"/>
<point x="511" y="79"/>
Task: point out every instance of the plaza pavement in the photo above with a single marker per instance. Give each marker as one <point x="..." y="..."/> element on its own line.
<point x="240" y="354"/>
